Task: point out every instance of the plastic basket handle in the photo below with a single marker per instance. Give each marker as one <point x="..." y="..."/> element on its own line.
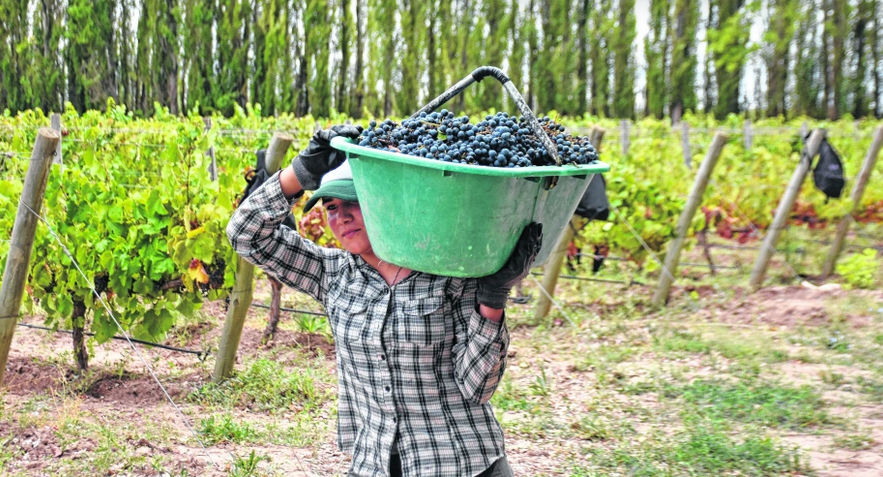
<point x="477" y="75"/>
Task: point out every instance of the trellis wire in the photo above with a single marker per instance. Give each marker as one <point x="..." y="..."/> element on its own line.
<point x="199" y="354"/>
<point x="125" y="334"/>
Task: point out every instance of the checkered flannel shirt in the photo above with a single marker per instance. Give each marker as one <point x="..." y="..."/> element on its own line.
<point x="416" y="362"/>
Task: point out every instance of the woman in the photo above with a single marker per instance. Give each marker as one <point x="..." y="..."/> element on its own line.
<point x="418" y="355"/>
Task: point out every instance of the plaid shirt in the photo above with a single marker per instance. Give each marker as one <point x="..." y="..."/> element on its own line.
<point x="416" y="362"/>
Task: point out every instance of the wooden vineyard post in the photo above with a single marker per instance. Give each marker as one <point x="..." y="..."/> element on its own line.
<point x="685" y="145"/>
<point x="780" y="218"/>
<point x="624" y="139"/>
<point x="856" y="197"/>
<point x="666" y="276"/>
<point x="55" y="123"/>
<point x="213" y="165"/>
<point x="243" y="287"/>
<point x="552" y="268"/>
<point x="747" y="135"/>
<point x="15" y="275"/>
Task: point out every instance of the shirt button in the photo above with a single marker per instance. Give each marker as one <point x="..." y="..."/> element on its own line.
<point x="387" y="388"/>
<point x="382" y="357"/>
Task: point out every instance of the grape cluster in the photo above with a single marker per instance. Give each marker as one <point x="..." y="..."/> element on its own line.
<point x="499" y="140"/>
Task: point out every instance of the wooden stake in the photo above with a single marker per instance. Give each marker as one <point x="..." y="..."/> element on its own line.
<point x="552" y="269"/>
<point x="784" y="208"/>
<point x="747" y="135"/>
<point x="856" y="197"/>
<point x="15" y="275"/>
<point x="213" y="166"/>
<point x="685" y="144"/>
<point x="596" y="136"/>
<point x="55" y="123"/>
<point x="624" y="139"/>
<point x="666" y="277"/>
<point x="243" y="289"/>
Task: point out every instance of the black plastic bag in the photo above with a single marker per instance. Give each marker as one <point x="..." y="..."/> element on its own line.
<point x="594" y="204"/>
<point x="828" y="173"/>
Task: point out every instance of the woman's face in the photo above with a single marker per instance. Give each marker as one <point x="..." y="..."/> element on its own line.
<point x="345" y="219"/>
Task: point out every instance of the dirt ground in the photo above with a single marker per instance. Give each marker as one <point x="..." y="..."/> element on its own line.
<point x="121" y="389"/>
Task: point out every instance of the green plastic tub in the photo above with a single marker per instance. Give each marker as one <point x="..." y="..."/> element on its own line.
<point x="459" y="220"/>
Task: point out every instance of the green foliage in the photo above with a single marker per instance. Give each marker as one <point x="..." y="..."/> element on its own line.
<point x="860" y="270"/>
<point x="266" y="386"/>
<point x="759" y="403"/>
<point x="248" y="466"/>
<point x="225" y="429"/>
<point x="138" y="212"/>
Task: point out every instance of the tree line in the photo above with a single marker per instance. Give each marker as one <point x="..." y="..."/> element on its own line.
<point x="820" y="58"/>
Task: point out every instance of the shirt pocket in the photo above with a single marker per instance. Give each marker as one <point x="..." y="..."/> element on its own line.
<point x="424" y="321"/>
<point x="348" y="317"/>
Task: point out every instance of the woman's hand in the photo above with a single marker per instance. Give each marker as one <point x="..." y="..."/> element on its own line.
<point x="493" y="290"/>
<point x="319" y="157"/>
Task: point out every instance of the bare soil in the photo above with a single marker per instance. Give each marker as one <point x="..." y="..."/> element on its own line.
<point x="118" y="388"/>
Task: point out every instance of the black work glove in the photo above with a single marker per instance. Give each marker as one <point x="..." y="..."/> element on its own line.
<point x="493" y="290"/>
<point x="256" y="178"/>
<point x="319" y="157"/>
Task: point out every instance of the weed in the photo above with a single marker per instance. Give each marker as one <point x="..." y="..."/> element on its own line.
<point x="860" y="269"/>
<point x="854" y="442"/>
<point x="764" y="404"/>
<point x="872" y="388"/>
<point x="508" y="398"/>
<point x="832" y="378"/>
<point x="266" y="386"/>
<point x="244" y="467"/>
<point x="312" y="323"/>
<point x="540" y="386"/>
<point x="225" y="429"/>
<point x="679" y="340"/>
<point x="699" y="451"/>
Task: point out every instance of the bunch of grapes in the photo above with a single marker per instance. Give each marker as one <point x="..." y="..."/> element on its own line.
<point x="499" y="140"/>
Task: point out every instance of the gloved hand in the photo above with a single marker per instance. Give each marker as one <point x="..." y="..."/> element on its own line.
<point x="493" y="290"/>
<point x="255" y="179"/>
<point x="319" y="157"/>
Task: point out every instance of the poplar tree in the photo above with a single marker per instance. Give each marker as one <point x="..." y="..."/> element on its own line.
<point x="89" y="36"/>
<point x="728" y="48"/>
<point x="599" y="56"/>
<point x="861" y="40"/>
<point x="44" y="80"/>
<point x="780" y="31"/>
<point x="345" y="40"/>
<point x="656" y="52"/>
<point x="683" y="58"/>
<point x="623" y="61"/>
<point x="230" y="85"/>
<point x="125" y="51"/>
<point x="382" y="34"/>
<point x="582" y="74"/>
<point x="357" y="91"/>
<point x="413" y="36"/>
<point x="496" y="15"/>
<point x="13" y="38"/>
<point x="530" y="33"/>
<point x="875" y="59"/>
<point x="199" y="20"/>
<point x="464" y="35"/>
<point x="808" y="69"/>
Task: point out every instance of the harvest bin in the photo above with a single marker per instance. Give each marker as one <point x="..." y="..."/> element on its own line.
<point x="459" y="220"/>
<point x="462" y="220"/>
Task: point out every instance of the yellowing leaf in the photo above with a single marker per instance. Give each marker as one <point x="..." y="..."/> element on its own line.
<point x="195" y="232"/>
<point x="196" y="272"/>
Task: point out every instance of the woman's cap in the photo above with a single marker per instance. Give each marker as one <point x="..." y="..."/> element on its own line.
<point x="336" y="184"/>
